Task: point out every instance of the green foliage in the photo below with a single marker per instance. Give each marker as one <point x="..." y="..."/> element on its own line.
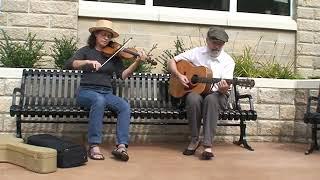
<point x="179" y="47"/>
<point x="63" y="49"/>
<point x="272" y="69"/>
<point x="20" y="55"/>
<point x="142" y="68"/>
<point x="247" y="65"/>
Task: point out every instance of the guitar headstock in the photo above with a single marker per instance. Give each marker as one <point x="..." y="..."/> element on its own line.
<point x="245" y="82"/>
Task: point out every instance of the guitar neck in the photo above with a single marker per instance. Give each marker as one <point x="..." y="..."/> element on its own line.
<point x="212" y="80"/>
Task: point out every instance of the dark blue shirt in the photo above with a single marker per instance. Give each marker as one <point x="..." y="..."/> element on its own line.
<point x="101" y="77"/>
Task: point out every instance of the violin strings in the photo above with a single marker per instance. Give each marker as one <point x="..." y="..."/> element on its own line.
<point x="117" y="51"/>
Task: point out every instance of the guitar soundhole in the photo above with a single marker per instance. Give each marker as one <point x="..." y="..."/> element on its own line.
<point x="194" y="79"/>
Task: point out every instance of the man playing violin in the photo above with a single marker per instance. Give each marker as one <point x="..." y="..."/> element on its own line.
<point x="95" y="90"/>
<point x="206" y="106"/>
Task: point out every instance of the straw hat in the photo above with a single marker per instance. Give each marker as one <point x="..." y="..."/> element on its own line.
<point x="104" y="25"/>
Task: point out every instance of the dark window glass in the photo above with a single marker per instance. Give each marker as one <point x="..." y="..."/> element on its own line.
<point x="142" y="2"/>
<point x="276" y="7"/>
<point x="222" y="5"/>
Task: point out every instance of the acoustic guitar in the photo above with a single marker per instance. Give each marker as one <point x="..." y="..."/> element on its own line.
<point x="200" y="79"/>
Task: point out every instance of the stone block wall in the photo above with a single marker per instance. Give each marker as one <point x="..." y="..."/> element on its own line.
<point x="280" y="105"/>
<point x="265" y="44"/>
<point x="50" y="19"/>
<point x="280" y="111"/>
<point x="47" y="19"/>
<point x="308" y="37"/>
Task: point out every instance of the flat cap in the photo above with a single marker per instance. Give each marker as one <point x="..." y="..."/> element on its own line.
<point x="217" y="33"/>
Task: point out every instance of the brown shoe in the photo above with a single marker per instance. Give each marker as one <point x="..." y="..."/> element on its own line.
<point x="206" y="155"/>
<point x="189" y="152"/>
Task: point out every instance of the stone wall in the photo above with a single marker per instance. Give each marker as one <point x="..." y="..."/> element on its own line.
<point x="47" y="19"/>
<point x="265" y="44"/>
<point x="50" y="19"/>
<point x="280" y="105"/>
<point x="308" y="37"/>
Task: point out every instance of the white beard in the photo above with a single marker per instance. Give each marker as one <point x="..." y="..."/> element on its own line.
<point x="215" y="53"/>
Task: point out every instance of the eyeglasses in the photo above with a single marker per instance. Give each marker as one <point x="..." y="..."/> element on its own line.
<point x="105" y="35"/>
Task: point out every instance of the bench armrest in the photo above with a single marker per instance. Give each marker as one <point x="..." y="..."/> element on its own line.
<point x="310" y="99"/>
<point x="243" y="96"/>
<point x="14" y="95"/>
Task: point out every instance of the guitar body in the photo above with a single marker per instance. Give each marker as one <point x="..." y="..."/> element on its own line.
<point x="176" y="89"/>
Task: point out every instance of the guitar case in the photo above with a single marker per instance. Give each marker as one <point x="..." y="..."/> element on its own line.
<point x="69" y="153"/>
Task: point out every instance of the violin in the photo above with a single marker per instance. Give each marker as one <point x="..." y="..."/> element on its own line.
<point x="126" y="53"/>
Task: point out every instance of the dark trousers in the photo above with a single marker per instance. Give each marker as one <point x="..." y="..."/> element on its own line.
<point x="207" y="108"/>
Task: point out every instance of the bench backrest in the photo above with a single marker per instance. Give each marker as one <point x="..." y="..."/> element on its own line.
<point x="53" y="92"/>
<point x="59" y="88"/>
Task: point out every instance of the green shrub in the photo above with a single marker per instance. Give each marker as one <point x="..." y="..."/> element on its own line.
<point x="245" y="64"/>
<point x="144" y="67"/>
<point x="20" y="54"/>
<point x="63" y="49"/>
<point x="248" y="64"/>
<point x="272" y="69"/>
<point x="179" y="47"/>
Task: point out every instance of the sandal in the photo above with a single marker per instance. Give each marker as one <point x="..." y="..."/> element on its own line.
<point x="94" y="155"/>
<point x="121" y="153"/>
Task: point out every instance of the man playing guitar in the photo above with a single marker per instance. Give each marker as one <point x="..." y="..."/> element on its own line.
<point x="206" y="105"/>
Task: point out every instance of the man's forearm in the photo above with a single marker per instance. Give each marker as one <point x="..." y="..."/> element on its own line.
<point x="173" y="67"/>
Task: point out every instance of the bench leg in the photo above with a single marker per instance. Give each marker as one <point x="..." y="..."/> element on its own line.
<point x="18" y="126"/>
<point x="243" y="140"/>
<point x="314" y="145"/>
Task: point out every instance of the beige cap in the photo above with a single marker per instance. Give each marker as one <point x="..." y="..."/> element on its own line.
<point x="104" y="25"/>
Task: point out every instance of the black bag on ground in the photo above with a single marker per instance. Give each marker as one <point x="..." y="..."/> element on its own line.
<point x="69" y="153"/>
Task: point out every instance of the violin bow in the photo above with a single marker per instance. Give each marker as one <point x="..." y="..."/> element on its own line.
<point x="117" y="51"/>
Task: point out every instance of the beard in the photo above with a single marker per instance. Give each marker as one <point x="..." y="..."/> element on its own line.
<point x="215" y="53"/>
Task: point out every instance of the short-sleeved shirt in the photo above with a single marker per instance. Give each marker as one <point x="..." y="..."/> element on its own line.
<point x="101" y="77"/>
<point x="221" y="66"/>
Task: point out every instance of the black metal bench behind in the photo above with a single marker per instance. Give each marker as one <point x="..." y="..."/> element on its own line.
<point x="313" y="118"/>
<point x="52" y="93"/>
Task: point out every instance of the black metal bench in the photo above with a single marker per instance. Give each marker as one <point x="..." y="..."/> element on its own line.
<point x="313" y="118"/>
<point x="51" y="93"/>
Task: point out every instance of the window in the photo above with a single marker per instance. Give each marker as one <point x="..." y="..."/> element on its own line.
<point x="271" y="14"/>
<point x="221" y="5"/>
<point x="276" y="7"/>
<point x="141" y="2"/>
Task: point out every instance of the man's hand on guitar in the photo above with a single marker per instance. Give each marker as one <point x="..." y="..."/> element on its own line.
<point x="184" y="80"/>
<point x="223" y="86"/>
